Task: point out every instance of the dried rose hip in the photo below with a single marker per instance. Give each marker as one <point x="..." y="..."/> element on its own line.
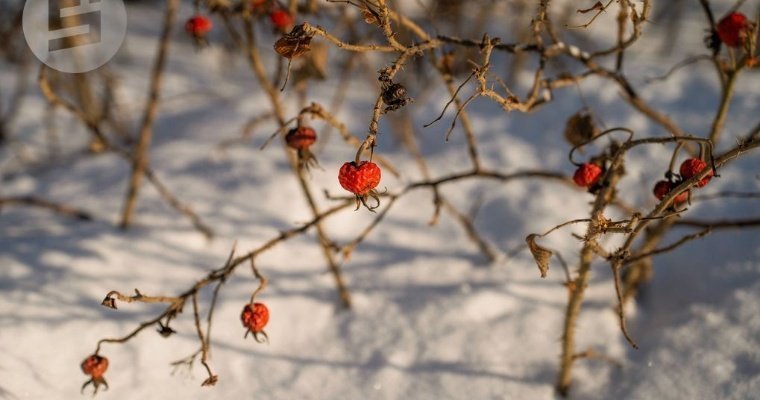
<point x="733" y="29"/>
<point x="281" y="19"/>
<point x="95" y="366"/>
<point x="255" y="317"/>
<point x="301" y="138"/>
<point x="662" y="188"/>
<point x="258" y="5"/>
<point x="692" y="167"/>
<point x="587" y="175"/>
<point x="198" y="26"/>
<point x="361" y="179"/>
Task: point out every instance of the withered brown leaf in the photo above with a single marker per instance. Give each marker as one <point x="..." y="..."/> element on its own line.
<point x="294" y="44"/>
<point x="313" y="66"/>
<point x="370" y="17"/>
<point x="597" y="6"/>
<point x="580" y="128"/>
<point x="540" y="254"/>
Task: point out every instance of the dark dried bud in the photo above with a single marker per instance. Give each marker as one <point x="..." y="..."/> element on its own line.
<point x="165" y="330"/>
<point x="394" y="96"/>
<point x="109" y="302"/>
<point x="712" y="41"/>
<point x="210" y="381"/>
<point x="394" y="93"/>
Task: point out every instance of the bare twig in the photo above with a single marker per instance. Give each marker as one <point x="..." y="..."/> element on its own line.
<point x="33" y="201"/>
<point x="140" y="158"/>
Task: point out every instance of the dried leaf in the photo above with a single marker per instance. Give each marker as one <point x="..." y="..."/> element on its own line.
<point x="109" y="302"/>
<point x="598" y="6"/>
<point x="540" y="254"/>
<point x="580" y="128"/>
<point x="210" y="381"/>
<point x="370" y="17"/>
<point x="446" y="63"/>
<point x="293" y="44"/>
<point x="313" y="66"/>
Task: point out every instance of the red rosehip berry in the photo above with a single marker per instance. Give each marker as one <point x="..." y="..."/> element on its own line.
<point x="662" y="188"/>
<point x="255" y="317"/>
<point x="692" y="167"/>
<point x="198" y="26"/>
<point x="359" y="179"/>
<point x="282" y="20"/>
<point x="95" y="366"/>
<point x="587" y="175"/>
<point x="301" y="138"/>
<point x="258" y="4"/>
<point x="733" y="29"/>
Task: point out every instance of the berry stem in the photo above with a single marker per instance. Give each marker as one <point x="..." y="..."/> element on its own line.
<point x="607" y="132"/>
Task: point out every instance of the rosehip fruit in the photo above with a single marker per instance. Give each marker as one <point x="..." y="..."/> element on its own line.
<point x="282" y="20"/>
<point x="587" y="175"/>
<point x="95" y="366"/>
<point x="359" y="179"/>
<point x="301" y="138"/>
<point x="692" y="167"/>
<point x="662" y="188"/>
<point x="733" y="29"/>
<point x="258" y="5"/>
<point x="198" y="26"/>
<point x="255" y="317"/>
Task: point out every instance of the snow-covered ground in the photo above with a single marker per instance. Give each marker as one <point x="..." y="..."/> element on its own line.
<point x="431" y="319"/>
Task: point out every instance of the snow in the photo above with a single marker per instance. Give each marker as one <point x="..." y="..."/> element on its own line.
<point x="431" y="318"/>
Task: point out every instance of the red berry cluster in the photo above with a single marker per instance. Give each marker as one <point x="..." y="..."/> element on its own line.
<point x="95" y="366"/>
<point x="689" y="169"/>
<point x="255" y="317"/>
<point x="693" y="167"/>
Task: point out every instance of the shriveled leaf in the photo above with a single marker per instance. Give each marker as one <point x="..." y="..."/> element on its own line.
<point x="540" y="254"/>
<point x="370" y="17"/>
<point x="596" y="7"/>
<point x="294" y="44"/>
<point x="313" y="66"/>
<point x="580" y="128"/>
<point x="210" y="381"/>
<point x="290" y="48"/>
<point x="109" y="302"/>
<point x="446" y="63"/>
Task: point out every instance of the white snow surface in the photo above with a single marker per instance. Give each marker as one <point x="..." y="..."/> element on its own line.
<point x="431" y="319"/>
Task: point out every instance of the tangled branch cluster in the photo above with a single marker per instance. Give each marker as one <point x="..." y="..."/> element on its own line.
<point x="378" y="28"/>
